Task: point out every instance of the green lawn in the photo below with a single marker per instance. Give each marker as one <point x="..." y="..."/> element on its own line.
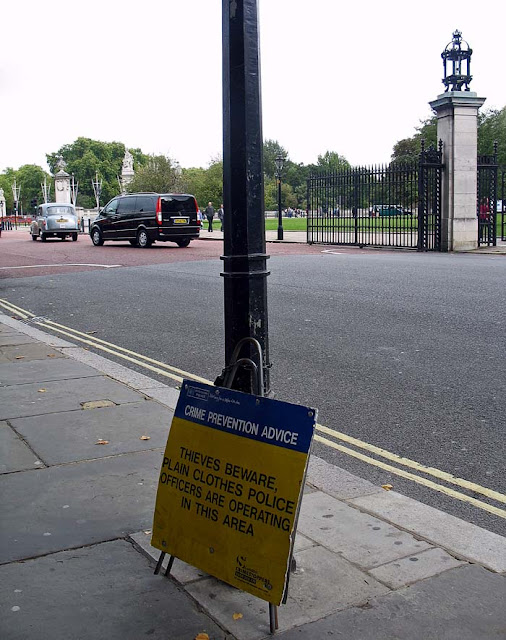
<point x="271" y="224"/>
<point x="385" y="223"/>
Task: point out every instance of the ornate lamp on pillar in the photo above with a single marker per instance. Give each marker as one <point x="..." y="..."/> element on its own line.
<point x="458" y="57"/>
<point x="457" y="127"/>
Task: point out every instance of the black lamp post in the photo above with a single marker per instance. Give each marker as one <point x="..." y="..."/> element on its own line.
<point x="279" y="168"/>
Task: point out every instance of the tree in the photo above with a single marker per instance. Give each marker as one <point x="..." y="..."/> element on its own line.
<point x="85" y="158"/>
<point x="271" y="150"/>
<point x="205" y="184"/>
<point x="288" y="198"/>
<point x="28" y="178"/>
<point x="332" y="161"/>
<point x="492" y="128"/>
<point x="160" y="174"/>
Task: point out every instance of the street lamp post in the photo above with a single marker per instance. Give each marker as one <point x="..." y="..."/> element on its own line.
<point x="97" y="190"/>
<point x="244" y="260"/>
<point x="279" y="168"/>
<point x="16" y="192"/>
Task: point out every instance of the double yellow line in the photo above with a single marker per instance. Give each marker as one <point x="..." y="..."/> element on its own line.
<point x="336" y="437"/>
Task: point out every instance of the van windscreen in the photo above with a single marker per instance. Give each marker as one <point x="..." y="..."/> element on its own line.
<point x="178" y="204"/>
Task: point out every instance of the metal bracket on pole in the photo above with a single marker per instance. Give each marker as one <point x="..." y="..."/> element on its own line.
<point x="258" y="375"/>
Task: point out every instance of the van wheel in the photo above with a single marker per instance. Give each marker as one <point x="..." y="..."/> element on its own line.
<point x="74" y="237"/>
<point x="183" y="243"/>
<point x="143" y="241"/>
<point x="96" y="237"/>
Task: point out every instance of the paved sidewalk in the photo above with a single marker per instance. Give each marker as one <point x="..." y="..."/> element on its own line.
<point x="75" y="559"/>
<point x="301" y="238"/>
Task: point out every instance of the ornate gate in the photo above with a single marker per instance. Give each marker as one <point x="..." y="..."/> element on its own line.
<point x="486" y="201"/>
<point x="398" y="205"/>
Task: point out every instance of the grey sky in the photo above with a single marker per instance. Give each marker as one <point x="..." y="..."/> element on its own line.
<point x="351" y="77"/>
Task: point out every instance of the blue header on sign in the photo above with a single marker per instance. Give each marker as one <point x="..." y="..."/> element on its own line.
<point x="271" y="421"/>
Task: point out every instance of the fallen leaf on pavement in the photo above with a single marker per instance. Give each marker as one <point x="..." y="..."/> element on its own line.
<point x="42" y="390"/>
<point x="100" y="441"/>
<point x="202" y="636"/>
<point x="145" y="438"/>
<point x="147" y="532"/>
<point x="237" y="616"/>
<point x="51" y="355"/>
<point x="19" y="357"/>
<point x="387" y="487"/>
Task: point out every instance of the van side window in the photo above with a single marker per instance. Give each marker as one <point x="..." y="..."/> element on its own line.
<point x="111" y="207"/>
<point x="126" y="205"/>
<point x="145" y="204"/>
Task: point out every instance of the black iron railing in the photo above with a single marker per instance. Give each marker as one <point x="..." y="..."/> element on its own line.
<point x="398" y="205"/>
<point x="486" y="200"/>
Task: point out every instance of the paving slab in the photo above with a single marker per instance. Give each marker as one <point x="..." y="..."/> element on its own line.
<point x="416" y="567"/>
<point x="23" y="400"/>
<point x="357" y="536"/>
<point x="104" y="591"/>
<point x="68" y="506"/>
<point x="322" y="584"/>
<point x="113" y="369"/>
<point x="15" y="455"/>
<point x="32" y="332"/>
<point x="459" y="537"/>
<point x="9" y="339"/>
<point x="181" y="571"/>
<point x="338" y="482"/>
<point x="71" y="436"/>
<point x="14" y="373"/>
<point x="27" y="352"/>
<point x="467" y="603"/>
<point x="166" y="395"/>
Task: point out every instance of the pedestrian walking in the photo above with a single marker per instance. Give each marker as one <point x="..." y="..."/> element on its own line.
<point x="221" y="214"/>
<point x="209" y="215"/>
<point x="484" y="219"/>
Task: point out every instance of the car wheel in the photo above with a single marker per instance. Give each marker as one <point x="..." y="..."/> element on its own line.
<point x="96" y="237"/>
<point x="43" y="237"/>
<point x="143" y="241"/>
<point x="34" y="237"/>
<point x="74" y="237"/>
<point x="184" y="242"/>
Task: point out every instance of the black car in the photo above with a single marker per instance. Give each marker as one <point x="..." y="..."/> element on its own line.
<point x="143" y="218"/>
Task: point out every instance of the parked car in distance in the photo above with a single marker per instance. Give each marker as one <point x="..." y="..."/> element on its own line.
<point x="388" y="210"/>
<point x="144" y="218"/>
<point x="55" y="220"/>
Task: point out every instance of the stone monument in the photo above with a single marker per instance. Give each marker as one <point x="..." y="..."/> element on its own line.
<point x="62" y="183"/>
<point x="457" y="127"/>
<point x="127" y="170"/>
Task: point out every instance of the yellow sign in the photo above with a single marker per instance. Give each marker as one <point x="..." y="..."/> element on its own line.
<point x="230" y="486"/>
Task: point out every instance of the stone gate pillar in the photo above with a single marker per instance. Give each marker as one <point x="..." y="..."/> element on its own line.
<point x="457" y="127"/>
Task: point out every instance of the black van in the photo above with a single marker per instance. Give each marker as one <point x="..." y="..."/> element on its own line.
<point x="143" y="218"/>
